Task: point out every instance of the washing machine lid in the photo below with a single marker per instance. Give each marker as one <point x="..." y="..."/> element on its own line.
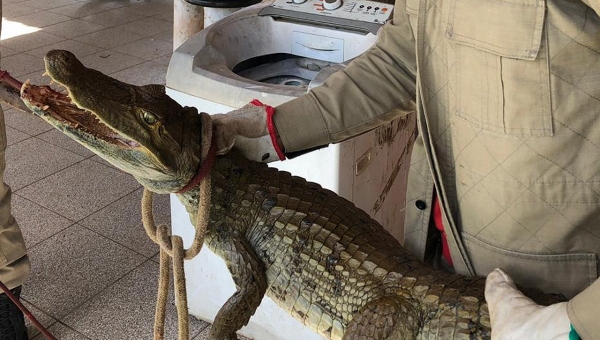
<point x="202" y="66"/>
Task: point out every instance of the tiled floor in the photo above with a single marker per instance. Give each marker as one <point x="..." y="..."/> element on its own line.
<point x="94" y="271"/>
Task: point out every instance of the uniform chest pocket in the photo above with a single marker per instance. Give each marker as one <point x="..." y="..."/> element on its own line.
<point x="499" y="74"/>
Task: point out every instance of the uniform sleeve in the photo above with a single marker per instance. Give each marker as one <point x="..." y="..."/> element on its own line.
<point x="583" y="312"/>
<point x="375" y="88"/>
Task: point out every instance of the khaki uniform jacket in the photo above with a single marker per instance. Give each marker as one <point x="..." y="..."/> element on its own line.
<point x="14" y="262"/>
<point x="507" y="95"/>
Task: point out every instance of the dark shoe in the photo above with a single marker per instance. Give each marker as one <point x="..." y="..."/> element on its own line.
<point x="12" y="322"/>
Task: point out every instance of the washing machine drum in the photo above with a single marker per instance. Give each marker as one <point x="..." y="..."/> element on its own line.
<point x="281" y="69"/>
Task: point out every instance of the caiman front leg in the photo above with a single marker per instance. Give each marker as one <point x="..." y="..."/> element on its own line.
<point x="249" y="277"/>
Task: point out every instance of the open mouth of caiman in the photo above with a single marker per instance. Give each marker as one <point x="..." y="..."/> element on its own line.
<point x="62" y="108"/>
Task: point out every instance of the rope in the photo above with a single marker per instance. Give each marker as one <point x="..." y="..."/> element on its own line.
<point x="171" y="246"/>
<point x="26" y="312"/>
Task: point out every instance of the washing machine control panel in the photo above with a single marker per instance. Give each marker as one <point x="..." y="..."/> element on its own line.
<point x="358" y="14"/>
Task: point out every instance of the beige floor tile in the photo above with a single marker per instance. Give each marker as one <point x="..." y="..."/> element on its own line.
<point x="48" y="4"/>
<point x="5" y="52"/>
<point x="165" y="16"/>
<point x="41" y="19"/>
<point x="204" y="335"/>
<point x="73" y="28"/>
<point x="114" y="17"/>
<point x="147" y="48"/>
<point x="79" y="190"/>
<point x="78" y="48"/>
<point x="20" y="64"/>
<point x="150" y="8"/>
<point x="168" y="2"/>
<point x="25" y="122"/>
<point x="30" y="41"/>
<point x="110" y="314"/>
<point x="143" y="74"/>
<point x="72" y="266"/>
<point x="14" y="136"/>
<point x="11" y="11"/>
<point x="37" y="223"/>
<point x="33" y="159"/>
<point x="147" y="26"/>
<point x="81" y="9"/>
<point x="100" y="160"/>
<point x="110" y="61"/>
<point x="45" y="319"/>
<point x="121" y="222"/>
<point x="111" y="4"/>
<point x="166" y="36"/>
<point x="165" y="60"/>
<point x="62" y="332"/>
<point x="59" y="139"/>
<point x="109" y="38"/>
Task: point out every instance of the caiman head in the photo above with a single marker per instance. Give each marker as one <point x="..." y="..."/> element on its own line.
<point x="138" y="129"/>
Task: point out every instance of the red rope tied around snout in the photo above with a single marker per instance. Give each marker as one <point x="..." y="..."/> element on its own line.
<point x="207" y="158"/>
<point x="203" y="169"/>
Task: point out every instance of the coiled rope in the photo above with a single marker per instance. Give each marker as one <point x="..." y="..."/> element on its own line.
<point x="171" y="246"/>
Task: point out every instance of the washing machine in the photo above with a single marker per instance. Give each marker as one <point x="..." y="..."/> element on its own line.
<point x="275" y="52"/>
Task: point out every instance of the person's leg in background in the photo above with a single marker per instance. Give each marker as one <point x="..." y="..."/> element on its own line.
<point x="14" y="263"/>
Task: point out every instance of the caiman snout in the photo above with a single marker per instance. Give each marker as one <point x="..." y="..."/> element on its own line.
<point x="59" y="62"/>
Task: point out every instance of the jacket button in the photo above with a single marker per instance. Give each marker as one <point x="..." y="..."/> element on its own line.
<point x="421" y="205"/>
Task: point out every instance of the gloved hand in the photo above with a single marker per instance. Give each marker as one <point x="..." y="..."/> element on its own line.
<point x="515" y="316"/>
<point x="249" y="129"/>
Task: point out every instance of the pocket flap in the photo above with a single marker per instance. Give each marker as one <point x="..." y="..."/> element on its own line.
<point x="568" y="274"/>
<point x="510" y="29"/>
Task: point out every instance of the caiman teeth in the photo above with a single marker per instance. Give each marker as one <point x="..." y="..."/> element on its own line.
<point x="45" y="74"/>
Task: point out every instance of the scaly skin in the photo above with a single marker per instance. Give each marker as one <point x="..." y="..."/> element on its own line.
<point x="327" y="263"/>
<point x="320" y="258"/>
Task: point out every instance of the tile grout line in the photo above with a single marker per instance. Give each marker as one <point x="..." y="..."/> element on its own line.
<point x="113" y="283"/>
<point x="86" y="216"/>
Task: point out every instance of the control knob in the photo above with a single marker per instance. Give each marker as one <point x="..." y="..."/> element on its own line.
<point x="332" y="4"/>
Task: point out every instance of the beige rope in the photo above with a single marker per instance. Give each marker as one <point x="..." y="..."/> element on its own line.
<point x="171" y="246"/>
<point x="161" y="301"/>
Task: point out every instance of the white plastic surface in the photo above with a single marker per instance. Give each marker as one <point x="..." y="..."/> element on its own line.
<point x="318" y="47"/>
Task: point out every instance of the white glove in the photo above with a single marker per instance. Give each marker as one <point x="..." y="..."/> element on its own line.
<point x="515" y="316"/>
<point x="246" y="129"/>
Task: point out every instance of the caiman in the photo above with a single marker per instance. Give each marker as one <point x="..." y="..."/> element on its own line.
<point x="321" y="259"/>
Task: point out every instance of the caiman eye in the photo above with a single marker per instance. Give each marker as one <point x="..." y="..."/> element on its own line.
<point x="149" y="118"/>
